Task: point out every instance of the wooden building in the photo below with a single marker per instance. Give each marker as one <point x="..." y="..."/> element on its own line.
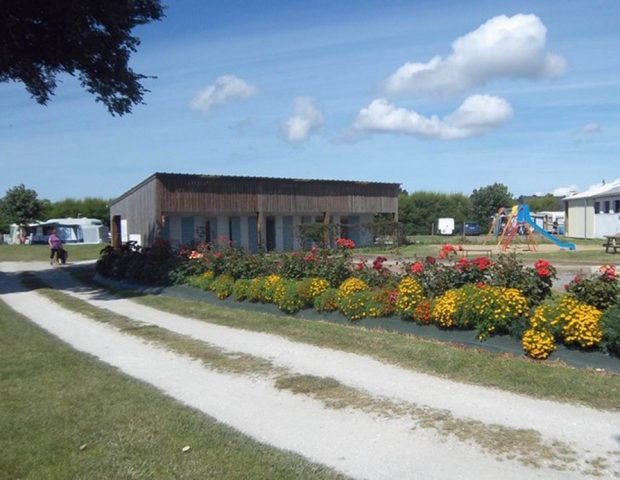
<point x="249" y="212"/>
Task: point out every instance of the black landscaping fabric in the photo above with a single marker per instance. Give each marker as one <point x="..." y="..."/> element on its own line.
<point x="466" y="338"/>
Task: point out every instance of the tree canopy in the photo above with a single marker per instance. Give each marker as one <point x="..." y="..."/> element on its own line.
<point x="21" y="205"/>
<point x="90" y="39"/>
<point x="89" y="207"/>
<point x="486" y="201"/>
<point x="418" y="211"/>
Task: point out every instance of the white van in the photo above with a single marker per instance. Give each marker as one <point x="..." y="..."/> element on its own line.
<point x="445" y="226"/>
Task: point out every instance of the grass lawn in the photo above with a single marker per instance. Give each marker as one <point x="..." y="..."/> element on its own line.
<point x="588" y="252"/>
<point x="28" y="253"/>
<point x="65" y="415"/>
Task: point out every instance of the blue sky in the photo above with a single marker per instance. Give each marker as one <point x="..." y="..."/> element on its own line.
<point x="436" y="95"/>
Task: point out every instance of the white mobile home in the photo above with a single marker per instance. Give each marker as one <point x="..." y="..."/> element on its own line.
<point x="595" y="212"/>
<point x="70" y="230"/>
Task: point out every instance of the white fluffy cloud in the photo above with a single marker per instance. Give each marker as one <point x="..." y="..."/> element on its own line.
<point x="502" y="47"/>
<point x="305" y="119"/>
<point x="225" y="89"/>
<point x="476" y="115"/>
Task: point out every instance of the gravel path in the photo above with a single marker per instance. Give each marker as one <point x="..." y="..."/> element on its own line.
<point x="356" y="443"/>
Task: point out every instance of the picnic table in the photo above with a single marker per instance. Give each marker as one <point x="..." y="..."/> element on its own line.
<point x="612" y="243"/>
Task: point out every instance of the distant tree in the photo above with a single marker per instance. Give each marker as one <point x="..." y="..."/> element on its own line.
<point x="419" y="211"/>
<point x="547" y="203"/>
<point x="89" y="207"/>
<point x="486" y="201"/>
<point x="20" y="205"/>
<point x="89" y="38"/>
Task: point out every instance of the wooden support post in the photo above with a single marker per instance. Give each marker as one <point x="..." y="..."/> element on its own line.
<point x="260" y="229"/>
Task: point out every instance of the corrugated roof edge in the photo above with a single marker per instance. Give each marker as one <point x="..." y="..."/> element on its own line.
<point x="598" y="190"/>
<point x="240" y="177"/>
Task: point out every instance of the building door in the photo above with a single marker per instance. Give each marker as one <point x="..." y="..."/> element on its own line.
<point x="287" y="233"/>
<point x="253" y="234"/>
<point x="270" y="240"/>
<point x="234" y="231"/>
<point x="187" y="230"/>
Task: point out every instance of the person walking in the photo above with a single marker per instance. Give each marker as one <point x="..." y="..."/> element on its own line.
<point x="55" y="244"/>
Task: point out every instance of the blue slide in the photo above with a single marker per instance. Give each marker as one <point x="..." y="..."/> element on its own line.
<point x="524" y="216"/>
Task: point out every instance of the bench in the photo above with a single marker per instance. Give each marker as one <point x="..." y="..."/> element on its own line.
<point x="611" y="244"/>
<point x="487" y="252"/>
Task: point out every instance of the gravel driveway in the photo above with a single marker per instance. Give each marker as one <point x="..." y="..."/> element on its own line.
<point x="359" y="443"/>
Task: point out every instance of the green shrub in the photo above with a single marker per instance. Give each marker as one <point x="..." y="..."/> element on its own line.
<point x="358" y="305"/>
<point x="202" y="282"/>
<point x="288" y="297"/>
<point x="600" y="291"/>
<point x="223" y="286"/>
<point x="241" y="289"/>
<point x="327" y="301"/>
<point x="610" y="323"/>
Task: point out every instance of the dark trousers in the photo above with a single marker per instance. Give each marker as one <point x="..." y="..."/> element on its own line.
<point x="55" y="251"/>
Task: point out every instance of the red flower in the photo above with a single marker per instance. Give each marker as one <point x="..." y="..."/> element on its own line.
<point x="481" y="284"/>
<point x="482" y="263"/>
<point x="360" y="266"/>
<point x="462" y="264"/>
<point x="345" y="243"/>
<point x="377" y="264"/>
<point x="430" y="260"/>
<point x="446" y="251"/>
<point x="543" y="268"/>
<point x="417" y="267"/>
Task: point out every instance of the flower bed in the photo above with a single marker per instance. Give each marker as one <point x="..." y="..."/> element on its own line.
<point x="490" y="297"/>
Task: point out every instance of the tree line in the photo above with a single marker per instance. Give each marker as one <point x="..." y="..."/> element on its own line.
<point x="21" y="205"/>
<point x="419" y="211"/>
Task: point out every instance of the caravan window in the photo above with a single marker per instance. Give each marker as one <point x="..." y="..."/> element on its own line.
<point x="597" y="207"/>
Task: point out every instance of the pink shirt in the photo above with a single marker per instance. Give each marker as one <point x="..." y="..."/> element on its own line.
<point x="54" y="241"/>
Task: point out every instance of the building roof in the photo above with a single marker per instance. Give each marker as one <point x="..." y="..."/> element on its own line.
<point x="201" y="179"/>
<point x="598" y="190"/>
<point x="82" y="221"/>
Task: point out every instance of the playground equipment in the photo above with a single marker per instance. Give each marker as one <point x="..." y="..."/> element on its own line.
<point x="520" y="221"/>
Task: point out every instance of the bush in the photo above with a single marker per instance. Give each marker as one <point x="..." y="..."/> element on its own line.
<point x="610" y="324"/>
<point x="222" y="286"/>
<point x="241" y="289"/>
<point x="570" y="321"/>
<point x="410" y="293"/>
<point x="351" y="285"/>
<point x="289" y="295"/>
<point x="327" y="301"/>
<point x="490" y="310"/>
<point x="152" y="265"/>
<point x="423" y="311"/>
<point x="538" y="344"/>
<point x="535" y="283"/>
<point x="202" y="282"/>
<point x="359" y="304"/>
<point x="318" y="286"/>
<point x="600" y="290"/>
